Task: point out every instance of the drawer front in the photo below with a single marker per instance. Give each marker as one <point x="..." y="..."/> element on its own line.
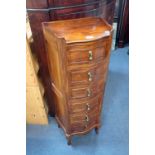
<point x="84" y="116"/>
<point x="82" y="127"/>
<point x="84" y="106"/>
<point x="83" y="121"/>
<point x="86" y="53"/>
<point x="86" y="56"/>
<point x="87" y="45"/>
<point x="86" y="92"/>
<point x="87" y="75"/>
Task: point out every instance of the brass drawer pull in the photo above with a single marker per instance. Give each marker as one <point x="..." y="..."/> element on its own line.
<point x="88" y="106"/>
<point x="88" y="92"/>
<point x="90" y="77"/>
<point x="90" y="55"/>
<point x="86" y="118"/>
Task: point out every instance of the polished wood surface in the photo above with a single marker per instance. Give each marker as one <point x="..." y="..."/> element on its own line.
<point x="78" y="69"/>
<point x="51" y="10"/>
<point x="93" y="29"/>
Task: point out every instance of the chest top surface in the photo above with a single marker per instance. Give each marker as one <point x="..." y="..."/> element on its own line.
<point x="79" y="30"/>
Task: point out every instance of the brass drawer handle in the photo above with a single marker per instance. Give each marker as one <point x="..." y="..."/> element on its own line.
<point x="86" y="118"/>
<point x="88" y="106"/>
<point x="90" y="77"/>
<point x="90" y="55"/>
<point x="89" y="92"/>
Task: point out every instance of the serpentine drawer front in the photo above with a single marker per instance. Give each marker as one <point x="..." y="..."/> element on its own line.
<point x="78" y="58"/>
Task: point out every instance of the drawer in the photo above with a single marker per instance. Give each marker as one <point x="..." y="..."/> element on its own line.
<point x="87" y="45"/>
<point x="82" y="92"/>
<point x="86" y="56"/>
<point x="87" y="53"/>
<point x="85" y="117"/>
<point x="82" y="126"/>
<point x="85" y="106"/>
<point x="84" y="121"/>
<point x="87" y="75"/>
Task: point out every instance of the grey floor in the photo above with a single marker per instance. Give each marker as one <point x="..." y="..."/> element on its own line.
<point x="113" y="137"/>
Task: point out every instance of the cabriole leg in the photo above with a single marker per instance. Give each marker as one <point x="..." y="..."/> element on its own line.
<point x="69" y="140"/>
<point x="58" y="126"/>
<point x="97" y="130"/>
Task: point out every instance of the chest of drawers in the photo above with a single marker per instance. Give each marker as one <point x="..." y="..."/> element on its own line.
<point x="78" y="57"/>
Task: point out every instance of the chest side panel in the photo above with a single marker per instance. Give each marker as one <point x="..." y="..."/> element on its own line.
<point x="53" y="60"/>
<point x="57" y="73"/>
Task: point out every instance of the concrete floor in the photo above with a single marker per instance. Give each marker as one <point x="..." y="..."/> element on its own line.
<point x="113" y="137"/>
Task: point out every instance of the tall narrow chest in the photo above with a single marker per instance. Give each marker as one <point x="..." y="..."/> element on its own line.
<point x="78" y="52"/>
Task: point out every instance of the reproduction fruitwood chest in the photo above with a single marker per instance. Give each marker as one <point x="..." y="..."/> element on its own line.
<point x="78" y="52"/>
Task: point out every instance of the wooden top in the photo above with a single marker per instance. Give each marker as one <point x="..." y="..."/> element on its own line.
<point x="79" y="30"/>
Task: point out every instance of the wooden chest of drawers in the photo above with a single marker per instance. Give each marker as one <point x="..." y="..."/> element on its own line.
<point x="78" y="58"/>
